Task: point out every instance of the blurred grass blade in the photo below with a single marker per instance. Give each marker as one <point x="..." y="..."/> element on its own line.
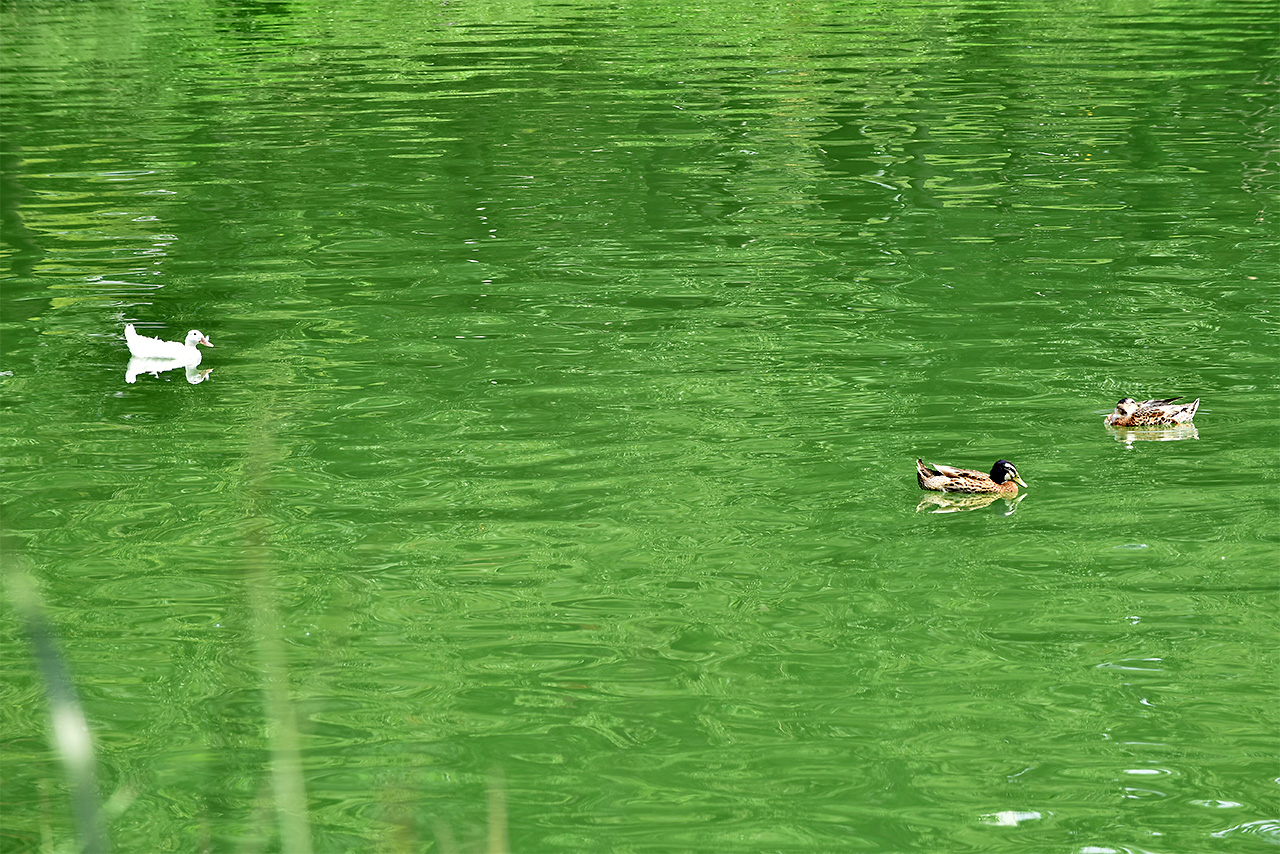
<point x="498" y="843"/>
<point x="69" y="730"/>
<point x="261" y="583"/>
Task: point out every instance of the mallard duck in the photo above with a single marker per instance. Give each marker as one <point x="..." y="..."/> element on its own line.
<point x="185" y="352"/>
<point x="1003" y="478"/>
<point x="1148" y="413"/>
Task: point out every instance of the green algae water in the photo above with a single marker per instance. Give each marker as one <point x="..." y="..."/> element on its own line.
<point x="551" y="486"/>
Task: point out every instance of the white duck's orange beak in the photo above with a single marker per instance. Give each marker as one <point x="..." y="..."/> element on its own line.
<point x="206" y="342"/>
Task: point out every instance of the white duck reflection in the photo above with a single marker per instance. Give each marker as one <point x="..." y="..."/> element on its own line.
<point x="156" y="367"/>
<point x="153" y="356"/>
<point x="1129" y="435"/>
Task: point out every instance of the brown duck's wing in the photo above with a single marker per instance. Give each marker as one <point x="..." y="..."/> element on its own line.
<point x="955" y="472"/>
<point x="1161" y="402"/>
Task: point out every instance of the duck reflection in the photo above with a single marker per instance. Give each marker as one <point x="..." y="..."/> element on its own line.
<point x="156" y="367"/>
<point x="1129" y="435"/>
<point x="954" y="502"/>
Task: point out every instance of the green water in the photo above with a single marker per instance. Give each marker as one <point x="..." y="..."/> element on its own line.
<point x="555" y="473"/>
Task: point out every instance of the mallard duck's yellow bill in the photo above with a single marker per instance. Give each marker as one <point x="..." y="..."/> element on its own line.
<point x="1020" y="481"/>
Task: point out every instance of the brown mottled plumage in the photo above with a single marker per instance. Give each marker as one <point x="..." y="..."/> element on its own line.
<point x="1150" y="413"/>
<point x="1003" y="478"/>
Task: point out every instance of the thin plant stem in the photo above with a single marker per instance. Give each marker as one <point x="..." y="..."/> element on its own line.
<point x="69" y="728"/>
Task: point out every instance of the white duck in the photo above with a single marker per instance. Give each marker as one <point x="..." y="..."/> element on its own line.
<point x="185" y="353"/>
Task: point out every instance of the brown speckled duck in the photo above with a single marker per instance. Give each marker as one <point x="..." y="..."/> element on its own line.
<point x="1003" y="478"/>
<point x="1152" y="413"/>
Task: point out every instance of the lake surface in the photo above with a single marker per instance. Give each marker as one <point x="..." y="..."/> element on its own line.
<point x="553" y="487"/>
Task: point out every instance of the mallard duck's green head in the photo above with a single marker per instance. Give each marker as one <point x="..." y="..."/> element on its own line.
<point x="1003" y="470"/>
